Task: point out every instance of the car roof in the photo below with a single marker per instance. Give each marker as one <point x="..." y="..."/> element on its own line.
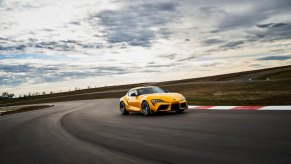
<point x="141" y="87"/>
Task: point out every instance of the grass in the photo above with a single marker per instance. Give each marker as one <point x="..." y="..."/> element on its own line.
<point x="223" y="77"/>
<point x="208" y="93"/>
<point x="275" y="76"/>
<point x="236" y="93"/>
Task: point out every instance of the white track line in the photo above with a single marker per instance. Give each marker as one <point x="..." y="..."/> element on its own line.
<point x="276" y="108"/>
<point x="286" y="107"/>
<point x="223" y="107"/>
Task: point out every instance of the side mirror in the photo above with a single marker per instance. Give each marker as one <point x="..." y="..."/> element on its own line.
<point x="167" y="91"/>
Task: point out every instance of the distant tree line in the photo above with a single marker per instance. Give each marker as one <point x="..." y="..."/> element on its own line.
<point x="6" y="95"/>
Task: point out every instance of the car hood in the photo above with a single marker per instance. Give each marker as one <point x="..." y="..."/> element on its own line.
<point x="169" y="97"/>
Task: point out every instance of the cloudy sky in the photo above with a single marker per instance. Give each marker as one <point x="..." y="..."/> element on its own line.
<point x="62" y="44"/>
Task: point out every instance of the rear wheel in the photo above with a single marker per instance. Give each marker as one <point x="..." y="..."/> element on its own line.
<point x="146" y="108"/>
<point x="123" y="110"/>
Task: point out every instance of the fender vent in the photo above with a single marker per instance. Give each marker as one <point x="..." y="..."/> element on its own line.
<point x="183" y="105"/>
<point x="163" y="107"/>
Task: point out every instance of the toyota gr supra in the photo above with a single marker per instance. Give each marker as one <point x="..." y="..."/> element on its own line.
<point x="151" y="99"/>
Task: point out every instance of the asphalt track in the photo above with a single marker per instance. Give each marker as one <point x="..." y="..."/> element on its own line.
<point x="93" y="131"/>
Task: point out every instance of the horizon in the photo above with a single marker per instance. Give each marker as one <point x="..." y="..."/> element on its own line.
<point x="60" y="45"/>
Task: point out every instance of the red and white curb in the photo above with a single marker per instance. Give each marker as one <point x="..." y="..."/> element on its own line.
<point x="287" y="107"/>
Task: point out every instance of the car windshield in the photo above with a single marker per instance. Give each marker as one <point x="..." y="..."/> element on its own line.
<point x="150" y="90"/>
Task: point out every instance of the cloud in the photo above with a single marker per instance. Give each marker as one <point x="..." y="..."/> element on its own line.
<point x="275" y="58"/>
<point x="3" y="39"/>
<point x="52" y="42"/>
<point x="188" y="58"/>
<point x="246" y="14"/>
<point x="54" y="46"/>
<point x="212" y="10"/>
<point x="159" y="65"/>
<point x="233" y="21"/>
<point x="75" y="23"/>
<point x="137" y="24"/>
<point x="15" y="68"/>
<point x="232" y="45"/>
<point x="210" y="64"/>
<point x="19" y="47"/>
<point x="212" y="41"/>
<point x="16" y="74"/>
<point x="170" y="56"/>
<point x="271" y="25"/>
<point x="270" y="32"/>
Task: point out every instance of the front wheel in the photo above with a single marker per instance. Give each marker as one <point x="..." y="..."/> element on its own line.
<point x="123" y="110"/>
<point x="146" y="108"/>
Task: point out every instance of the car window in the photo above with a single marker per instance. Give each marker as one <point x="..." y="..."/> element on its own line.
<point x="132" y="92"/>
<point x="150" y="90"/>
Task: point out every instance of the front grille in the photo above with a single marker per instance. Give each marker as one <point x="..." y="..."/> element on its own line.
<point x="163" y="107"/>
<point x="175" y="107"/>
<point x="183" y="105"/>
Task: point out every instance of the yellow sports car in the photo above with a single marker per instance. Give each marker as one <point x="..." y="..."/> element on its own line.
<point x="151" y="99"/>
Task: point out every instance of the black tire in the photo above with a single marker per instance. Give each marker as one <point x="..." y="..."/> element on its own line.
<point x="123" y="110"/>
<point x="179" y="110"/>
<point x="145" y="108"/>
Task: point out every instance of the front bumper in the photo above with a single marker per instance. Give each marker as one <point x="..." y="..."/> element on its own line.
<point x="166" y="106"/>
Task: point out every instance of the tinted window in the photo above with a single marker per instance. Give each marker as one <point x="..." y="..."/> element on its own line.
<point x="150" y="90"/>
<point x="130" y="93"/>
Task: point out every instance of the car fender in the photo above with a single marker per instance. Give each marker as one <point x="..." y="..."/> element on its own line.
<point x="143" y="98"/>
<point x="148" y="100"/>
<point x="124" y="100"/>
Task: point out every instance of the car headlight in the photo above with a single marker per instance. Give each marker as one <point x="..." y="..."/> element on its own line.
<point x="183" y="98"/>
<point x="154" y="101"/>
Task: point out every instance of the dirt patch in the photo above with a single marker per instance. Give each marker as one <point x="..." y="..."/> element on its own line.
<point x="20" y="109"/>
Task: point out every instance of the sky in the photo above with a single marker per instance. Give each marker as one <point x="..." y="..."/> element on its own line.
<point x="53" y="45"/>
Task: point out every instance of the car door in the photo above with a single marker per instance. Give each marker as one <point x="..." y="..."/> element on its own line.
<point x="132" y="100"/>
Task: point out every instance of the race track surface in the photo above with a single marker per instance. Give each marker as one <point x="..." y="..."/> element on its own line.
<point x="93" y="131"/>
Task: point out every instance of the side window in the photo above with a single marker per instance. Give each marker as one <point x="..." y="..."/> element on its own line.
<point x="140" y="91"/>
<point x="132" y="93"/>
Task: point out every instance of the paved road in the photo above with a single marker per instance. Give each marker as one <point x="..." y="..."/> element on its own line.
<point x="93" y="131"/>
